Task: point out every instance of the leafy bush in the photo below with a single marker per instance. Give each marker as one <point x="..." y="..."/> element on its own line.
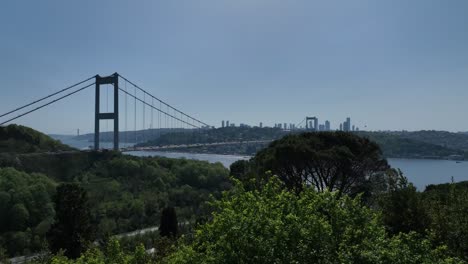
<point x="276" y="226"/>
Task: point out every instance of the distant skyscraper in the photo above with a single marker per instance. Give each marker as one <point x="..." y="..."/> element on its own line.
<point x="285" y="126"/>
<point x="222" y="123"/>
<point x="341" y="126"/>
<point x="348" y="124"/>
<point x="353" y="127"/>
<point x="327" y="125"/>
<point x="321" y="127"/>
<point x="227" y="123"/>
<point x="261" y="124"/>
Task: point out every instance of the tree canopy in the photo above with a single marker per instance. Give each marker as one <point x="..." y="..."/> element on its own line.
<point x="72" y="230"/>
<point x="326" y="161"/>
<point x="273" y="225"/>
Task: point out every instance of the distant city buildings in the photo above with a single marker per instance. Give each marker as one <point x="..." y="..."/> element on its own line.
<point x="311" y="124"/>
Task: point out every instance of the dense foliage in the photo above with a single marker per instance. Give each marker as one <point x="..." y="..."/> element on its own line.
<point x="325" y="160"/>
<point x="375" y="215"/>
<point x="413" y="145"/>
<point x="169" y="224"/>
<point x="26" y="210"/>
<point x="125" y="192"/>
<point x="72" y="231"/>
<point x="21" y="139"/>
<point x="447" y="207"/>
<point x="442" y="138"/>
<point x="276" y="226"/>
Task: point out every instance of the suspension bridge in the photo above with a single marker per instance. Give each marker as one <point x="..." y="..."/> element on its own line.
<point x="157" y="116"/>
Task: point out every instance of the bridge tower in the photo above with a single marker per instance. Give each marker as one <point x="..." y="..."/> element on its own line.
<point x="312" y="126"/>
<point x="114" y="80"/>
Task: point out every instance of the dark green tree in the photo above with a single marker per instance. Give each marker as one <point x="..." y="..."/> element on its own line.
<point x="168" y="227"/>
<point x="273" y="225"/>
<point x="72" y="230"/>
<point x="239" y="169"/>
<point x="403" y="207"/>
<point x="335" y="161"/>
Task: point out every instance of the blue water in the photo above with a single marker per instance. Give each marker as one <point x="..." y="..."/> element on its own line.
<point x="422" y="172"/>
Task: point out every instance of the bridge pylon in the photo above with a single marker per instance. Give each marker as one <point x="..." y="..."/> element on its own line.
<point x="114" y="80"/>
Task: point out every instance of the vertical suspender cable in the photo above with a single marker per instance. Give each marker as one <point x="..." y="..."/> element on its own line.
<point x="107" y="111"/>
<point x="126" y="115"/>
<point x="144" y="118"/>
<point x="152" y="119"/>
<point x="159" y="121"/>
<point x="135" y="121"/>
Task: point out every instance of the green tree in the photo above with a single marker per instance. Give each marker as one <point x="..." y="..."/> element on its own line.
<point x="334" y="161"/>
<point x="447" y="207"/>
<point x="273" y="225"/>
<point x="72" y="230"/>
<point x="19" y="217"/>
<point x="169" y="225"/>
<point x="403" y="208"/>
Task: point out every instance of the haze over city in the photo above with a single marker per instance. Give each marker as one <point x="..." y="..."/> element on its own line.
<point x="390" y="65"/>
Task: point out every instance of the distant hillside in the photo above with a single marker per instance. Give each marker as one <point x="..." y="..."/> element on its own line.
<point x="417" y="145"/>
<point x="441" y="138"/>
<point x="21" y="139"/>
<point x="396" y="145"/>
<point x="130" y="136"/>
<point x="226" y="134"/>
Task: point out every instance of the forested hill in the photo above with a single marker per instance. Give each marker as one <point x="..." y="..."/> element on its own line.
<point x="420" y="144"/>
<point x="410" y="145"/>
<point x="21" y="139"/>
<point x="441" y="138"/>
<point x="226" y="134"/>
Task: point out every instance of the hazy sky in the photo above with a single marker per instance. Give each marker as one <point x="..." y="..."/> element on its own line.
<point x="394" y="64"/>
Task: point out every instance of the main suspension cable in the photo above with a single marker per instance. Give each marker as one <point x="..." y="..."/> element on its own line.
<point x="44" y="105"/>
<point x="46" y="97"/>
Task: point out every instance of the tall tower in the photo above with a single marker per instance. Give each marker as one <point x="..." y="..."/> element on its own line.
<point x="114" y="80"/>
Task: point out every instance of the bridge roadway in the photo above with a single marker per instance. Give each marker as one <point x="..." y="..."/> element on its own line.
<point x="197" y="145"/>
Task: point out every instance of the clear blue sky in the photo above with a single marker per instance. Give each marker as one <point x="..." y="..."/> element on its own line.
<point x="392" y="64"/>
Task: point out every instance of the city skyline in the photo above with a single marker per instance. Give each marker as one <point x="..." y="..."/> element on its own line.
<point x="254" y="61"/>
